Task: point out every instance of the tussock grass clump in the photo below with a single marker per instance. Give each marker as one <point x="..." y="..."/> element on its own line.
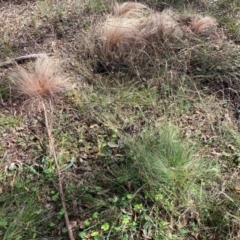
<point x="120" y="32"/>
<point x="203" y="25"/>
<point x="182" y="182"/>
<point x="129" y="8"/>
<point x="44" y="79"/>
<point x="128" y="35"/>
<point x="133" y="21"/>
<point x="133" y="35"/>
<point x="164" y="23"/>
<point x="162" y="157"/>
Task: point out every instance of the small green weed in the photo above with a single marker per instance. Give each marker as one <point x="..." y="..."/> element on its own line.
<point x="8" y="122"/>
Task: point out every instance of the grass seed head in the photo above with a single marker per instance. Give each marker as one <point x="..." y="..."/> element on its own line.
<point x="130" y="34"/>
<point x="203" y="25"/>
<point x="129" y="9"/>
<point x="161" y="23"/>
<point x="43" y="80"/>
<point x="120" y="30"/>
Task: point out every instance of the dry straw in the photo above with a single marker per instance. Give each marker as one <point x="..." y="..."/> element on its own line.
<point x="44" y="79"/>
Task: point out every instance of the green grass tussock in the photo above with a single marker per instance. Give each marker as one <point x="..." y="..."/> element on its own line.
<point x="163" y="157"/>
<point x="182" y="183"/>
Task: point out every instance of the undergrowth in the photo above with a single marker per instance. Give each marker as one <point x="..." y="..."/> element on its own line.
<point x="147" y="137"/>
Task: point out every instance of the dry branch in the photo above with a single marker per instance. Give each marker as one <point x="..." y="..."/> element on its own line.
<point x="53" y="153"/>
<point x="21" y="59"/>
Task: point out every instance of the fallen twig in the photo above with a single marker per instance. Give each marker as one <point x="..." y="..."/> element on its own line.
<point x="53" y="153"/>
<point x="21" y="59"/>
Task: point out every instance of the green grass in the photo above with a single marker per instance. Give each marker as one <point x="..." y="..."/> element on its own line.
<point x="169" y="166"/>
<point x="164" y="158"/>
<point x="21" y="211"/>
<point x="8" y="122"/>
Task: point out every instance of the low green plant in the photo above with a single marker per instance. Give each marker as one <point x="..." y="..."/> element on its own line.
<point x="165" y="159"/>
<point x="22" y="215"/>
<point x="8" y="122"/>
<point x="174" y="177"/>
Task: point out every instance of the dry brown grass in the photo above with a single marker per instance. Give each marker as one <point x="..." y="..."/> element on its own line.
<point x="129" y="9"/>
<point x="131" y="36"/>
<point x="132" y="25"/>
<point x="125" y="31"/>
<point x="135" y="34"/>
<point x="163" y="24"/>
<point x="44" y="79"/>
<point x="203" y="25"/>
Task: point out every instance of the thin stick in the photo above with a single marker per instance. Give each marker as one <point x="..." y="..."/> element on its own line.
<point x="53" y="153"/>
<point x="20" y="59"/>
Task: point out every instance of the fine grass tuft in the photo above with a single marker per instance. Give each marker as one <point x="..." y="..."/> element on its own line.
<point x="162" y="157"/>
<point x="120" y="31"/>
<point x="135" y="36"/>
<point x="129" y="8"/>
<point x="166" y="165"/>
<point x="133" y="23"/>
<point x="203" y="25"/>
<point x="164" y="23"/>
<point x="45" y="79"/>
<point x="132" y="35"/>
<point x="21" y="212"/>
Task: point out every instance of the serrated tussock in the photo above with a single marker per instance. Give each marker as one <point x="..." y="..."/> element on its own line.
<point x="43" y="79"/>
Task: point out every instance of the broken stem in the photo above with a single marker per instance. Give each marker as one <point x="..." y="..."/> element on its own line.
<point x="53" y="153"/>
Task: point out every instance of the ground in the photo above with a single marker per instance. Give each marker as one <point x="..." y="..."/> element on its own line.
<point x="144" y="144"/>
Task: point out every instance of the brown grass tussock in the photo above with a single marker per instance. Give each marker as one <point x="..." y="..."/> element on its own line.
<point x="132" y="24"/>
<point x="203" y="25"/>
<point x="129" y="9"/>
<point x="120" y="30"/>
<point x="43" y="80"/>
<point x="163" y="24"/>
